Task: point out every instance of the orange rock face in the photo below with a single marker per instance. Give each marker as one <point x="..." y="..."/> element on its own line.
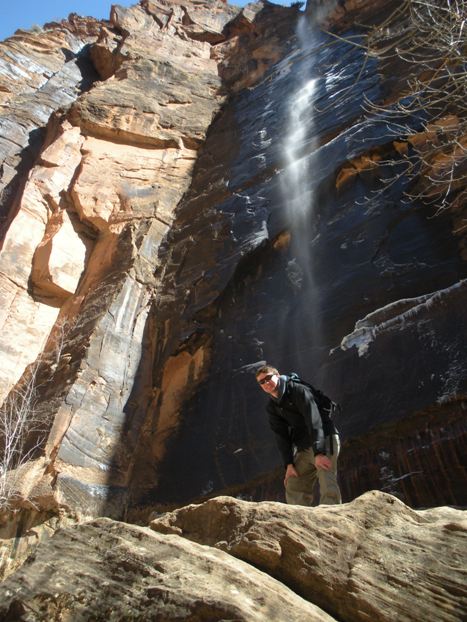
<point x="148" y="262"/>
<point x="126" y="156"/>
<point x="129" y="104"/>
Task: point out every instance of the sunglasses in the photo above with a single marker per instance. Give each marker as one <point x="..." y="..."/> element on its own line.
<point x="266" y="379"/>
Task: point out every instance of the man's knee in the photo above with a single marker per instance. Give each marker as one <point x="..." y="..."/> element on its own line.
<point x="298" y="497"/>
<point x="330" y="493"/>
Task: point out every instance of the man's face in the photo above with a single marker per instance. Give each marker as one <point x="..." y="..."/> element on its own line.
<point x="268" y="382"/>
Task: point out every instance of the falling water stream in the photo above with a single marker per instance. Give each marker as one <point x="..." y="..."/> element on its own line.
<point x="297" y="197"/>
<point x="299" y="141"/>
<point x="297" y="188"/>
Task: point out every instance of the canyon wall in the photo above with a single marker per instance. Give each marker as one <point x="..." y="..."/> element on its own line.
<point x="148" y="263"/>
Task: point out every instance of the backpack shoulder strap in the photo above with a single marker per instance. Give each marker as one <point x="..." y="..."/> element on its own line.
<point x="324" y="403"/>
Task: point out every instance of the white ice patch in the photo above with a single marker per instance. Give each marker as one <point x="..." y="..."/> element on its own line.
<point x="250" y="368"/>
<point x="334" y="78"/>
<point x="394" y="316"/>
<point x="256" y="238"/>
<point x="261" y="158"/>
<point x="263" y="140"/>
<point x="208" y="488"/>
<point x="245" y="197"/>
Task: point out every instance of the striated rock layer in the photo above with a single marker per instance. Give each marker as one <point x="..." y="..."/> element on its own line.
<point x="363" y="295"/>
<point x="149" y="260"/>
<point x="80" y="252"/>
<point x="107" y="570"/>
<point x="374" y="558"/>
<point x="40" y="72"/>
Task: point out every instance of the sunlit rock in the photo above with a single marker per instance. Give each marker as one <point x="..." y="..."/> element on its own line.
<point x="105" y="569"/>
<point x="374" y="558"/>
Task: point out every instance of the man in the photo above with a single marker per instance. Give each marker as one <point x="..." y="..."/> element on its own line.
<point x="307" y="439"/>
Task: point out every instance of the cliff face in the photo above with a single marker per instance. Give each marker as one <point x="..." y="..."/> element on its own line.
<point x="268" y="285"/>
<point x="149" y="263"/>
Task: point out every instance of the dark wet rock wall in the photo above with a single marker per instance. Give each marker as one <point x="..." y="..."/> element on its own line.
<point x="252" y="285"/>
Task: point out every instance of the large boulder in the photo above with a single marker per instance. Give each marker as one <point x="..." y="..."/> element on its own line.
<point x="227" y="559"/>
<point x="107" y="571"/>
<point x="371" y="559"/>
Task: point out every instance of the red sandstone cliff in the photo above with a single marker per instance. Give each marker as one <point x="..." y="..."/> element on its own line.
<point x="146" y="265"/>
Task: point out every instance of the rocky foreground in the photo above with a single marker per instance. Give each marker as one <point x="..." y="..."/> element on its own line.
<point x="226" y="559"/>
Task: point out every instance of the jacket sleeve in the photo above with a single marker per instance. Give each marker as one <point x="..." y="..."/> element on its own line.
<point x="281" y="432"/>
<point x="303" y="399"/>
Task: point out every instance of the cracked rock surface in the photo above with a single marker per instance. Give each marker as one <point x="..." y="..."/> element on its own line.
<point x="226" y="559"/>
<point x="371" y="559"/>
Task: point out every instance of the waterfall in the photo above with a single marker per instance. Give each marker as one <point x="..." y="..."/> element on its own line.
<point x="296" y="184"/>
<point x="300" y="142"/>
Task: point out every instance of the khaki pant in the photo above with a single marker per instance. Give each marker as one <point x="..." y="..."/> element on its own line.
<point x="299" y="490"/>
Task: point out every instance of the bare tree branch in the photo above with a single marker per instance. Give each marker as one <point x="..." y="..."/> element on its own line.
<point x="429" y="40"/>
<point x="23" y="424"/>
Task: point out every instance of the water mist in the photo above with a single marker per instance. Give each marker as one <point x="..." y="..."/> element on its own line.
<point x="297" y="189"/>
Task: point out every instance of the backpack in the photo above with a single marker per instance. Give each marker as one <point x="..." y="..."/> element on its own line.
<point x="325" y="404"/>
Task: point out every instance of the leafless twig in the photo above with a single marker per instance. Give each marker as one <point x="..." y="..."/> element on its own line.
<point x="429" y="40"/>
<point x="23" y="424"/>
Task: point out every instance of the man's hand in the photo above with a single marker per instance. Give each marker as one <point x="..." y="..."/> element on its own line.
<point x="323" y="462"/>
<point x="290" y="472"/>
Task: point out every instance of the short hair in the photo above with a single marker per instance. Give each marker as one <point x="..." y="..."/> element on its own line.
<point x="266" y="369"/>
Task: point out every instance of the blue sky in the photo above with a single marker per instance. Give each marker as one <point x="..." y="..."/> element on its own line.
<point x="16" y="14"/>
